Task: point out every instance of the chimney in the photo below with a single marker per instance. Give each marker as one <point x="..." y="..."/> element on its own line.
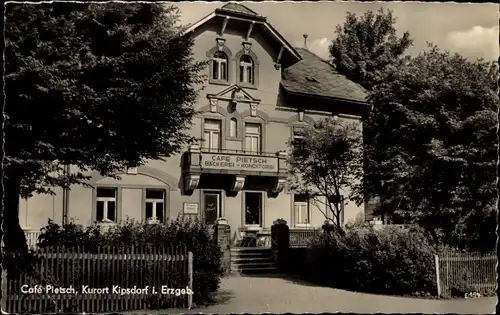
<point x="305" y="41"/>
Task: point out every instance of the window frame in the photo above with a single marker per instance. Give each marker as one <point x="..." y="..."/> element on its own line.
<point x="210" y="56"/>
<point x="255" y="68"/>
<point x="217" y="63"/>
<point x="206" y="146"/>
<point x="294" y="131"/>
<point x="220" y="202"/>
<point x="155" y="201"/>
<point x="246" y="67"/>
<point x="258" y="135"/>
<point x="307" y="204"/>
<point x="233" y="128"/>
<point x="262" y="210"/>
<point x="106" y="201"/>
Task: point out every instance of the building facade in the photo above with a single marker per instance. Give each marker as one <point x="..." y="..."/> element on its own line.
<point x="259" y="92"/>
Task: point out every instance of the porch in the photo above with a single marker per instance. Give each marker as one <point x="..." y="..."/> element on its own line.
<point x="299" y="237"/>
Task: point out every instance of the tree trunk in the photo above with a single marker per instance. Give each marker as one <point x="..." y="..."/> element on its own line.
<point x="14" y="238"/>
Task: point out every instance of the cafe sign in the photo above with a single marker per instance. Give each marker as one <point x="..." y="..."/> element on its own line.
<point x="239" y="162"/>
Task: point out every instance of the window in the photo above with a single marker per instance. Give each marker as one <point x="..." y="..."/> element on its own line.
<point x="298" y="136"/>
<point x="253" y="208"/>
<point x="246" y="69"/>
<point x="106" y="205"/>
<point x="302" y="213"/>
<point x="212" y="135"/>
<point x="155" y="204"/>
<point x="233" y="125"/>
<point x="212" y="206"/>
<point x="253" y="138"/>
<point x="220" y="66"/>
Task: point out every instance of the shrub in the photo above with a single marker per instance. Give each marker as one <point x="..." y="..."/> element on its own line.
<point x="191" y="234"/>
<point x="388" y="261"/>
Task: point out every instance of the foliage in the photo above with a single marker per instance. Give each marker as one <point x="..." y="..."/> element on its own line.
<point x="461" y="286"/>
<point x="475" y="231"/>
<point x="326" y="161"/>
<point x="434" y="149"/>
<point x="365" y="45"/>
<point x="192" y="234"/>
<point x="107" y="86"/>
<point x="387" y="261"/>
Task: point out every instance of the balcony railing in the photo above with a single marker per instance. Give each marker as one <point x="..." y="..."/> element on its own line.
<point x="235" y="161"/>
<point x="302" y="237"/>
<point x="238" y="152"/>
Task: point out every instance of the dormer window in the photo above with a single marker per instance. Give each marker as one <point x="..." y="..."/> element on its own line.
<point x="246" y="69"/>
<point x="220" y="66"/>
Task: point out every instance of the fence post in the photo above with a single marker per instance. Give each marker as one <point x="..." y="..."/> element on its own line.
<point x="280" y="235"/>
<point x="190" y="273"/>
<point x="438" y="279"/>
<point x="4" y="291"/>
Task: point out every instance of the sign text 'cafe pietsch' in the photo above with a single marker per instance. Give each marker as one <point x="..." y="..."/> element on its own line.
<point x="239" y="162"/>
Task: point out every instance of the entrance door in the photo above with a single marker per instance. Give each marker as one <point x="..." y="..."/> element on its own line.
<point x="212" y="206"/>
<point x="253" y="209"/>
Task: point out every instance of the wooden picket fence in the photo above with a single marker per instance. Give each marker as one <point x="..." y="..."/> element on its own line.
<point x="474" y="271"/>
<point x="101" y="268"/>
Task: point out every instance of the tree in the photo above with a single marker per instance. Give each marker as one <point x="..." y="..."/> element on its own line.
<point x="362" y="47"/>
<point x="365" y="45"/>
<point x="99" y="86"/>
<point x="326" y="163"/>
<point x="434" y="141"/>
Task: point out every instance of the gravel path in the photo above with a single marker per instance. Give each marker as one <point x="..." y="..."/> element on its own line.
<point x="276" y="294"/>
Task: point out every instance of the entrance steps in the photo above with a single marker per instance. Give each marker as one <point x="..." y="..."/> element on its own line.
<point x="253" y="260"/>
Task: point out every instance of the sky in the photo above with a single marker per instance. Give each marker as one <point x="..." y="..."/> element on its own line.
<point x="468" y="29"/>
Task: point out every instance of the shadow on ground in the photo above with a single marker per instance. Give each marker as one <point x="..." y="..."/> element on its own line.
<point x="295" y="279"/>
<point x="220" y="298"/>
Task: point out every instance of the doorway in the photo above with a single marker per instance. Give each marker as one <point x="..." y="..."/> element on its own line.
<point x="212" y="206"/>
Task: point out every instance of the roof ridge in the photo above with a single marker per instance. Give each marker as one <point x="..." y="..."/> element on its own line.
<point x="317" y="56"/>
<point x="234" y="6"/>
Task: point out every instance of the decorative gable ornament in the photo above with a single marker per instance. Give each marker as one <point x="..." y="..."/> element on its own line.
<point x="213" y="105"/>
<point x="234" y="95"/>
<point x="237" y="97"/>
<point x="220" y="44"/>
<point x="246" y="47"/>
<point x="253" y="110"/>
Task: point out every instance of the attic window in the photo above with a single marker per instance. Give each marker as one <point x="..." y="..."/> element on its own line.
<point x="311" y="79"/>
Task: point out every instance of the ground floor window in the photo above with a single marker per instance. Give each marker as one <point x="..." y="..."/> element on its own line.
<point x="302" y="213"/>
<point x="155" y="204"/>
<point x="253" y="208"/>
<point x="106" y="204"/>
<point x="212" y="206"/>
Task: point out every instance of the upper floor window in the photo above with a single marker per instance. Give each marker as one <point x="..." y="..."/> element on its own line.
<point x="220" y="66"/>
<point x="155" y="204"/>
<point x="253" y="138"/>
<point x="246" y="69"/>
<point x="106" y="204"/>
<point x="233" y="127"/>
<point x="212" y="135"/>
<point x="298" y="136"/>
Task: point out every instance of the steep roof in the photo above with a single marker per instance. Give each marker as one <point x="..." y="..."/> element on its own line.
<point x="242" y="13"/>
<point x="316" y="77"/>
<point x="236" y="7"/>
